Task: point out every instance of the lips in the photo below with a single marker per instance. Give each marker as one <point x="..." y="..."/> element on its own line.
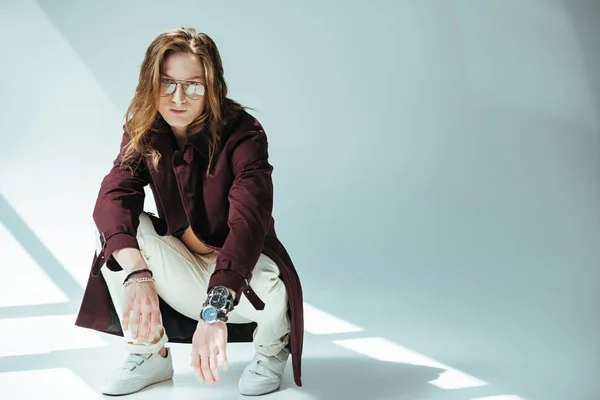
<point x="178" y="111"/>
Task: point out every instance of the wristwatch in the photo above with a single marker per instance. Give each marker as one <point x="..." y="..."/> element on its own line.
<point x="211" y="315"/>
<point x="218" y="303"/>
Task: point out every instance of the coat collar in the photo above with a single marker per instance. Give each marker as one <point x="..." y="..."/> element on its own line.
<point x="165" y="143"/>
<point x="198" y="142"/>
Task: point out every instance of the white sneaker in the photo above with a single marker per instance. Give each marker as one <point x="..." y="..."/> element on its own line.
<point x="137" y="372"/>
<point x="264" y="374"/>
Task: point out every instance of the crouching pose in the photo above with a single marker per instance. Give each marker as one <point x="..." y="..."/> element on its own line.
<point x="209" y="269"/>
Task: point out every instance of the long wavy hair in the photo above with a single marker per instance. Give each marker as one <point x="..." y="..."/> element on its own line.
<point x="142" y="117"/>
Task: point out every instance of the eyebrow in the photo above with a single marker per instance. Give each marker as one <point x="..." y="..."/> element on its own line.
<point x="189" y="79"/>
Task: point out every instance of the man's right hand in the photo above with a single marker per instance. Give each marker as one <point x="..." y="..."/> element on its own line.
<point x="141" y="314"/>
<point x="142" y="299"/>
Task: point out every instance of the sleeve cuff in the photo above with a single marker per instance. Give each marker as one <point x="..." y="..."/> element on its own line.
<point x="229" y="279"/>
<point x="116" y="242"/>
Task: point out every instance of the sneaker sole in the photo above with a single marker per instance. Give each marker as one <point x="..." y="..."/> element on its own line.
<point x="123" y="393"/>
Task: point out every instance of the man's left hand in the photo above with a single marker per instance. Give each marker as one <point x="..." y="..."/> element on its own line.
<point x="208" y="343"/>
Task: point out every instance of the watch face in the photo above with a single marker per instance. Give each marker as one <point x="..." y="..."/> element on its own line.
<point x="220" y="290"/>
<point x="218" y="301"/>
<point x="209" y="314"/>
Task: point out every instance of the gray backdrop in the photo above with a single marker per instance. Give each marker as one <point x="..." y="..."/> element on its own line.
<point x="436" y="162"/>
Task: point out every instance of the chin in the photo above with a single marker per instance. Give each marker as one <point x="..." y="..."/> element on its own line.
<point x="175" y="123"/>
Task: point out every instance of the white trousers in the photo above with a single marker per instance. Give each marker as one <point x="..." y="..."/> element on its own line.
<point x="181" y="280"/>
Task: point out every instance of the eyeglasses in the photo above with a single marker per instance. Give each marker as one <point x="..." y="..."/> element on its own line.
<point x="193" y="90"/>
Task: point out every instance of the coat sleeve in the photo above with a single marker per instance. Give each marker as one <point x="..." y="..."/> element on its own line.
<point x="250" y="207"/>
<point x="119" y="204"/>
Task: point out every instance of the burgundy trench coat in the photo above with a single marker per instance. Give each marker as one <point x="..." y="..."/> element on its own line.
<point x="229" y="210"/>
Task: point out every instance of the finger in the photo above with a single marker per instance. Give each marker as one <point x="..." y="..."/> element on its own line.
<point x="204" y="357"/>
<point x="126" y="315"/>
<point x="196" y="366"/>
<point x="195" y="360"/>
<point x="214" y="365"/>
<point x="154" y="320"/>
<point x="223" y="354"/>
<point x="145" y="324"/>
<point x="136" y="322"/>
<point x="198" y="373"/>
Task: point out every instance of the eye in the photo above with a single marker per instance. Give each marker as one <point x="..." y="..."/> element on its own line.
<point x="191" y="88"/>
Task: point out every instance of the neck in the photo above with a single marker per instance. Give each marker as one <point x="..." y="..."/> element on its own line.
<point x="180" y="135"/>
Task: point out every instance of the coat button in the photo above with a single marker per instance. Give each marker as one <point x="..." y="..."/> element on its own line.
<point x="189" y="155"/>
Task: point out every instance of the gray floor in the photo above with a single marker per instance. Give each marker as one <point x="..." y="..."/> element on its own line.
<point x="331" y="372"/>
<point x="45" y="356"/>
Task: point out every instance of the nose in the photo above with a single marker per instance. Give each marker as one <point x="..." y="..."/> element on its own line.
<point x="178" y="97"/>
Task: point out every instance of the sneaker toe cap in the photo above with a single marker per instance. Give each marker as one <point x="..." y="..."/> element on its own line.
<point x="120" y="385"/>
<point x="255" y="385"/>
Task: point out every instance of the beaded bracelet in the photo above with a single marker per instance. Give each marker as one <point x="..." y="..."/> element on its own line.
<point x="137" y="280"/>
<point x="139" y="271"/>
